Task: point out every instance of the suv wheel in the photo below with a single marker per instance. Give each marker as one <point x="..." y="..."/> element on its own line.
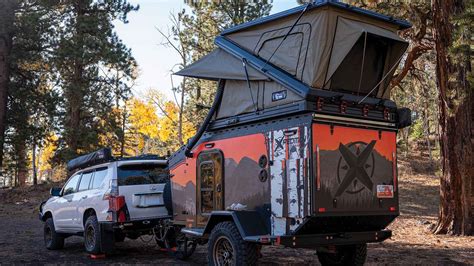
<point x="92" y="235"/>
<point x="52" y="239"/>
<point x="345" y="255"/>
<point x="226" y="247"/>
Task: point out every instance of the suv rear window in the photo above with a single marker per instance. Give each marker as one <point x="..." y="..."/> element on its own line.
<point x="142" y="174"/>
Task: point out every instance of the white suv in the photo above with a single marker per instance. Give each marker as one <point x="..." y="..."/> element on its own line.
<point x="106" y="201"/>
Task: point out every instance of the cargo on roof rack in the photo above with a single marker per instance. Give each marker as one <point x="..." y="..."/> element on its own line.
<point x="93" y="158"/>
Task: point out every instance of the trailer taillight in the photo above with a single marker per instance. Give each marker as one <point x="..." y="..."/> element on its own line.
<point x="322" y="210"/>
<point x="392" y="209"/>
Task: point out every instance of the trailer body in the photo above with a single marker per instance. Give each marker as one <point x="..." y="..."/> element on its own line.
<point x="299" y="147"/>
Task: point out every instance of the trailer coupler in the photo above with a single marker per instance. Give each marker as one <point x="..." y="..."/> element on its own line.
<point x="315" y="240"/>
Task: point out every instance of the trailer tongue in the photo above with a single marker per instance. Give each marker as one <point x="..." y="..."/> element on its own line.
<point x="299" y="147"/>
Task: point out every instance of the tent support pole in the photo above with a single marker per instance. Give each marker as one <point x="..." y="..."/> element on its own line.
<point x="244" y="62"/>
<point x="362" y="65"/>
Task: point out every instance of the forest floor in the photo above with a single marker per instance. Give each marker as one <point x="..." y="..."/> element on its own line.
<point x="21" y="237"/>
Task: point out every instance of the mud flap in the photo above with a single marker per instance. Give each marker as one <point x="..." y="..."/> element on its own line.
<point x="106" y="238"/>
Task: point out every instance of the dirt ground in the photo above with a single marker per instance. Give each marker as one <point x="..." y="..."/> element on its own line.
<point x="21" y="238"/>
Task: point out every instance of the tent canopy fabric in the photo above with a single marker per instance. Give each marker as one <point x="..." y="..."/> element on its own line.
<point x="327" y="35"/>
<point x="220" y="65"/>
<point x="331" y="47"/>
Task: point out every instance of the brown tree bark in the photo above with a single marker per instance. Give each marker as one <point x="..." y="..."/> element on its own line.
<point x="75" y="92"/>
<point x="456" y="126"/>
<point x="33" y="164"/>
<point x="7" y="16"/>
<point x="22" y="164"/>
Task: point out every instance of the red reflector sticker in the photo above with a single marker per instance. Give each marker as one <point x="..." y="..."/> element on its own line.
<point x="392" y="209"/>
<point x="384" y="191"/>
<point x="322" y="210"/>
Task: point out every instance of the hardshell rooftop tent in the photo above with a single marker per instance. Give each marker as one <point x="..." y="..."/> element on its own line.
<point x="323" y="49"/>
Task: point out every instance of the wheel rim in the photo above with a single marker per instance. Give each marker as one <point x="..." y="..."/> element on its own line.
<point x="90" y="238"/>
<point x="48" y="235"/>
<point x="224" y="253"/>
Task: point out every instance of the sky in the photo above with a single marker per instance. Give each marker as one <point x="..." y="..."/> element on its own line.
<point x="155" y="61"/>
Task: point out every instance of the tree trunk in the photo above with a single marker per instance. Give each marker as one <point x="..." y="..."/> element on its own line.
<point x="35" y="176"/>
<point x="181" y="111"/>
<point x="456" y="125"/>
<point x="75" y="90"/>
<point x="22" y="164"/>
<point x="122" y="133"/>
<point x="7" y="16"/>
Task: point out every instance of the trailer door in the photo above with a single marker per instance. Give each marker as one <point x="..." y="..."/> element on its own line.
<point x="209" y="184"/>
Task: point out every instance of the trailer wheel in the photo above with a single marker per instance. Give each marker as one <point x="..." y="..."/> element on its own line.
<point x="345" y="255"/>
<point x="226" y="247"/>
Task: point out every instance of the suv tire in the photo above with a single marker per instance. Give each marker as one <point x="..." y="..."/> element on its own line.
<point x="226" y="246"/>
<point x="92" y="235"/>
<point x="345" y="255"/>
<point x="52" y="239"/>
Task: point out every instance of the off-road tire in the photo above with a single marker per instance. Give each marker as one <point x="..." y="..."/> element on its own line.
<point x="52" y="239"/>
<point x="244" y="253"/>
<point x="345" y="255"/>
<point x="92" y="235"/>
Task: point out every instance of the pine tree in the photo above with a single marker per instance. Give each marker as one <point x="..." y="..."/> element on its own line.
<point x="88" y="56"/>
<point x="7" y="18"/>
<point x="31" y="101"/>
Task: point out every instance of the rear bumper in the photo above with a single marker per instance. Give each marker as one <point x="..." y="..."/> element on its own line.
<point x="346" y="238"/>
<point x="136" y="225"/>
<point x="317" y="240"/>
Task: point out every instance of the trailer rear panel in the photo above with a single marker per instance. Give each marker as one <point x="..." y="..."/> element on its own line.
<point x="354" y="170"/>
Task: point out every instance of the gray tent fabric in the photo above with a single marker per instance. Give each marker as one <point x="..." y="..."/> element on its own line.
<point x="332" y="33"/>
<point x="291" y="55"/>
<point x="238" y="100"/>
<point x="220" y="65"/>
<point x="329" y="48"/>
<point x="349" y="31"/>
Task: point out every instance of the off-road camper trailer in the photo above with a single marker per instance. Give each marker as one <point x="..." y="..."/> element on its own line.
<point x="299" y="147"/>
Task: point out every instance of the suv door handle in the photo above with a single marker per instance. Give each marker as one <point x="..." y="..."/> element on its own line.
<point x="84" y="197"/>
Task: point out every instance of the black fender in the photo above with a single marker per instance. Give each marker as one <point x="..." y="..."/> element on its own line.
<point x="249" y="223"/>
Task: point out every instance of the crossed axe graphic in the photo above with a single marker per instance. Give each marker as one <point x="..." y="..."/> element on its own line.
<point x="356" y="167"/>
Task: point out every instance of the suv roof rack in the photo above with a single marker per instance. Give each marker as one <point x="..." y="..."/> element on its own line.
<point x="142" y="157"/>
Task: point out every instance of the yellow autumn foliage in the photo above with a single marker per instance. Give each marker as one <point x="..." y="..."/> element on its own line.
<point x="154" y="124"/>
<point x="143" y="118"/>
<point x="47" y="153"/>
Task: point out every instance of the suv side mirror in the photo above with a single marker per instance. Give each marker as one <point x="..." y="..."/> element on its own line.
<point x="404" y="117"/>
<point x="55" y="192"/>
